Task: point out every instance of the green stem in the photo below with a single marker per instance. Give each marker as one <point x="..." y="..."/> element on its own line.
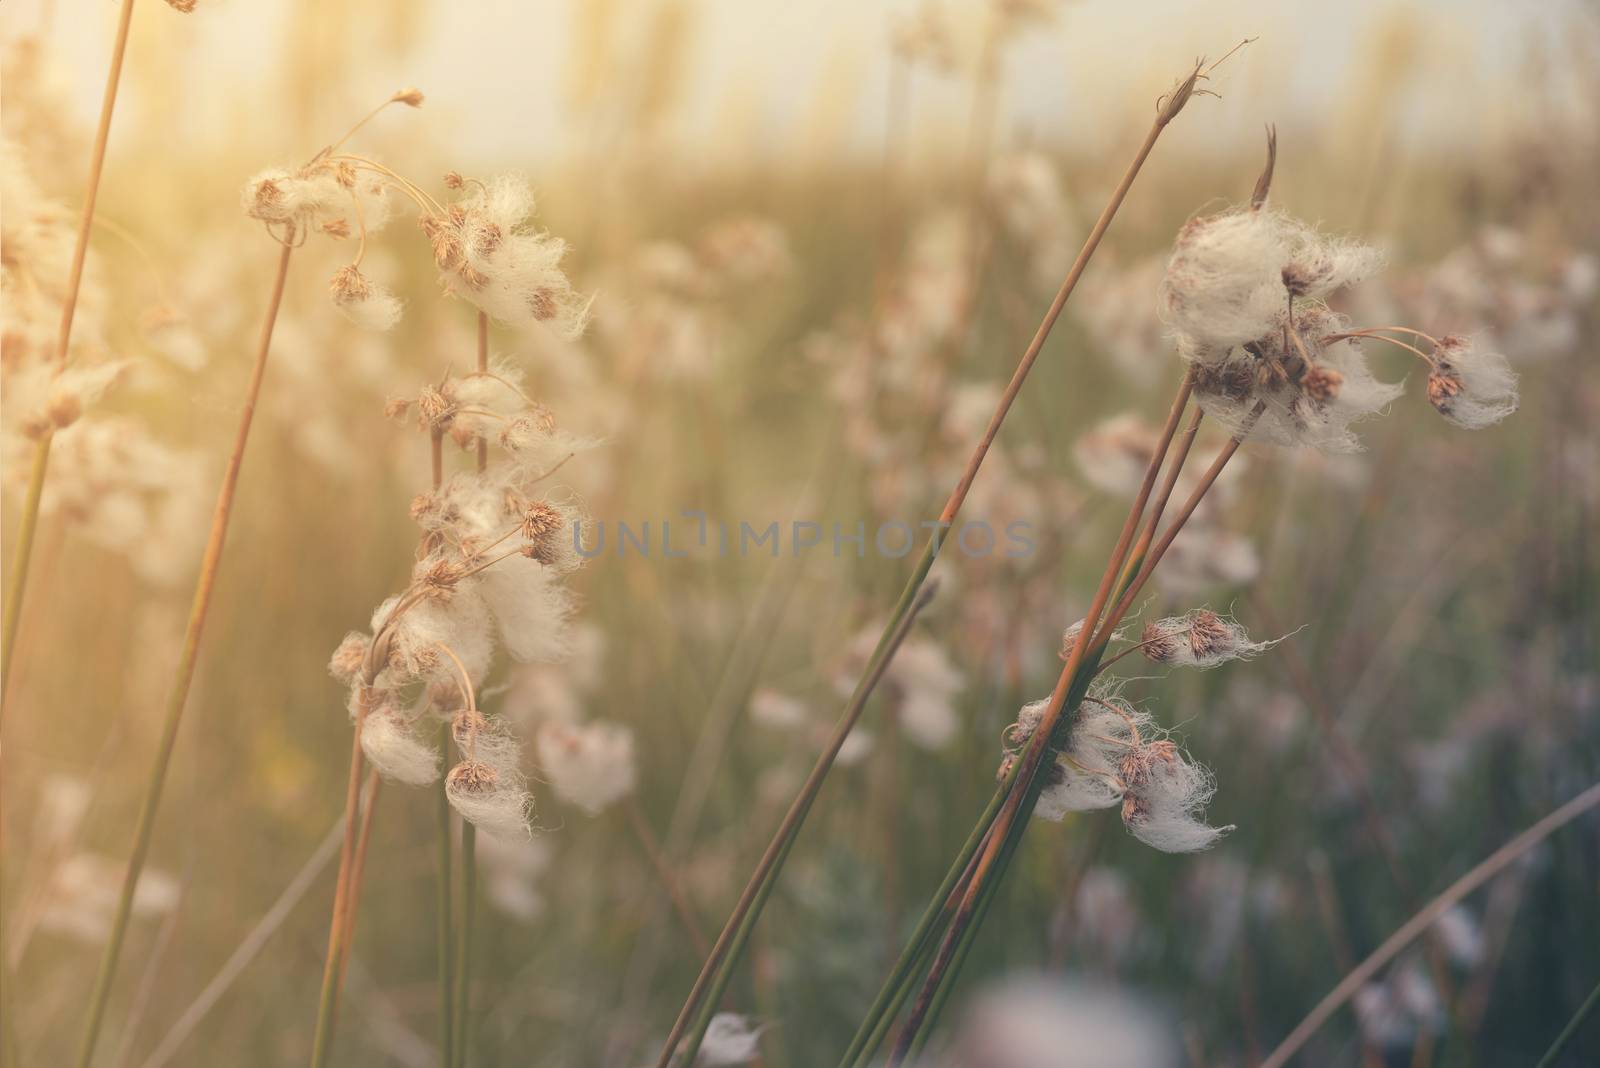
<point x="446" y="949"/>
<point x="708" y="1007"/>
<point x="892" y="994"/>
<point x="943" y="993"/>
<point x="183" y="677"/>
<point x="1588" y="1006"/>
<point x="463" y="976"/>
<point x="968" y="918"/>
<point x="724" y="953"/>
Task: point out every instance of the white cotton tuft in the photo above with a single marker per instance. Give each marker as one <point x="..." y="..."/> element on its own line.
<point x="1166" y="799"/>
<point x="1201" y="638"/>
<point x="1249" y="403"/>
<point x="77" y="387"/>
<point x="1069" y="637"/>
<point x="397" y="753"/>
<point x="1071" y="789"/>
<point x="492" y="259"/>
<point x="1085" y="776"/>
<point x="278" y="195"/>
<point x="1045" y="1022"/>
<point x="928" y="684"/>
<point x="1230" y="276"/>
<point x="856" y="748"/>
<point x="730" y="1039"/>
<point x="1205" y="556"/>
<point x="777" y="710"/>
<point x="494" y="802"/>
<point x="487" y="741"/>
<point x="531" y="609"/>
<point x="590" y="766"/>
<point x="920" y="680"/>
<point x="378" y="309"/>
<point x="459" y="622"/>
<point x="1114" y="455"/>
<point x="348" y="659"/>
<point x="1471" y="387"/>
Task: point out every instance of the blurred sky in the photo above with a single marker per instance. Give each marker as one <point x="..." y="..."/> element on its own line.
<point x="769" y="77"/>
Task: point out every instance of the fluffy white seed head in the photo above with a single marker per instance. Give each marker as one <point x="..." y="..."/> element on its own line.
<point x="394" y="748"/>
<point x="1279" y="399"/>
<point x="730" y="1039"/>
<point x="364" y="302"/>
<point x="1471" y="387"/>
<point x="491" y="257"/>
<point x="590" y="766"/>
<point x="780" y="711"/>
<point x="493" y="801"/>
<point x="1164" y="806"/>
<point x="1114" y="455"/>
<point x="1086" y="773"/>
<point x="1230" y="275"/>
<point x="1200" y="638"/>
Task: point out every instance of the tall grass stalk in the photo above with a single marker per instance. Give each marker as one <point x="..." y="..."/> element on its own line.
<point x="731" y="945"/>
<point x="461" y="993"/>
<point x="28" y="523"/>
<point x="771" y="863"/>
<point x="463" y="940"/>
<point x="651" y="846"/>
<point x="1590" y="1003"/>
<point x="183" y="677"/>
<point x="445" y="914"/>
<point x="368" y="808"/>
<point x="1420" y="923"/>
<point x="328" y="1002"/>
<point x="247" y="949"/>
<point x="1080" y="667"/>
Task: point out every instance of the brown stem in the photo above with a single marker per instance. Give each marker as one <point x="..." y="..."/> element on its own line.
<point x="680" y="899"/>
<point x="348" y="937"/>
<point x="1168" y="484"/>
<point x="17" y="580"/>
<point x="183" y="676"/>
<point x="1173" y="529"/>
<point x="1039" y="742"/>
<point x="1167" y="110"/>
<point x="791" y="821"/>
<point x="1090" y="244"/>
<point x="332" y="970"/>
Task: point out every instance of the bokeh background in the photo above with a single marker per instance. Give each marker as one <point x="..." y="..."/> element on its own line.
<point x="819" y="236"/>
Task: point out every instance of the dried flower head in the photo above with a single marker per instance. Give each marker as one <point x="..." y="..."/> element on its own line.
<point x="1201" y="638"/>
<point x="363" y="302"/>
<point x="1469" y="386"/>
<point x="490" y="798"/>
<point x="1164" y="805"/>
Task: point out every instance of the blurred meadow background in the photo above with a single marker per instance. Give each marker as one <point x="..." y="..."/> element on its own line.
<point x="817" y="238"/>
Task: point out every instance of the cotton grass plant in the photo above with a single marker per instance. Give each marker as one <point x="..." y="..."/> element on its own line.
<point x="497" y="541"/>
<point x="1269" y="362"/>
<point x="1265" y="616"/>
